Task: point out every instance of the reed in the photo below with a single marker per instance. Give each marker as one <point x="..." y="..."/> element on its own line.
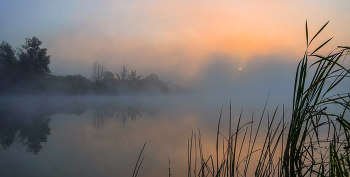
<point x="314" y="143"/>
<point x="138" y="163"/>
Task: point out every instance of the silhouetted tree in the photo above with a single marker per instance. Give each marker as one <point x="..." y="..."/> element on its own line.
<point x="8" y="59"/>
<point x="8" y="66"/>
<point x="133" y="77"/>
<point x="133" y="83"/>
<point x="108" y="78"/>
<point x="152" y="82"/>
<point x="97" y="73"/>
<point x="73" y="84"/>
<point x="32" y="58"/>
<point x="123" y="75"/>
<point x="7" y="55"/>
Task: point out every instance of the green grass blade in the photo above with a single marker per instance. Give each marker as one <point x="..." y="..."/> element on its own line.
<point x="137" y="166"/>
<point x="307" y="35"/>
<point x="217" y="141"/>
<point x="319" y="31"/>
<point x="321" y="45"/>
<point x="343" y="122"/>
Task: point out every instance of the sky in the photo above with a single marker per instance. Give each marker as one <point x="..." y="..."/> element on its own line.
<point x="184" y="42"/>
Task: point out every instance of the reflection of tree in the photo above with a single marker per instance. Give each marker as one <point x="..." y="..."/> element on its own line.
<point x="103" y="113"/>
<point x="8" y="131"/>
<point x="124" y="112"/>
<point x="130" y="112"/>
<point x="31" y="128"/>
<point x="34" y="133"/>
<point x="31" y="132"/>
<point x="99" y="118"/>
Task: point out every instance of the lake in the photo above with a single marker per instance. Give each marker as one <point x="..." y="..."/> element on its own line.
<point x="103" y="136"/>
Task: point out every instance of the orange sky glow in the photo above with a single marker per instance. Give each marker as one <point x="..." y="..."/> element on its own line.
<point x="177" y="39"/>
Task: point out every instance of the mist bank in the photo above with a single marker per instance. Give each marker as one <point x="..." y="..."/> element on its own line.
<point x="49" y="84"/>
<point x="26" y="71"/>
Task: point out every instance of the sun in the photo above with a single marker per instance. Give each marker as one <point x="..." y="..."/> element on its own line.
<point x="240" y="69"/>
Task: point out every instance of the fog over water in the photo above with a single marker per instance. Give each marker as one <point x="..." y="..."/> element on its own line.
<point x="102" y="136"/>
<point x="196" y="59"/>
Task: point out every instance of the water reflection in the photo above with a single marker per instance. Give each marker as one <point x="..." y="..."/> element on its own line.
<point x="31" y="126"/>
<point x="98" y="118"/>
<point x="100" y="137"/>
<point x="31" y="132"/>
<point x="122" y="113"/>
<point x="130" y="112"/>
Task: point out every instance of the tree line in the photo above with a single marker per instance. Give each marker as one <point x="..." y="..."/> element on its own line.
<point x="25" y="70"/>
<point x="125" y="82"/>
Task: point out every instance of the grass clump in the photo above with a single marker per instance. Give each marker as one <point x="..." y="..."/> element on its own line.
<point x="314" y="143"/>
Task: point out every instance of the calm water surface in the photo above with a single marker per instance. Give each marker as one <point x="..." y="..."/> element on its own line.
<point x="103" y="136"/>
